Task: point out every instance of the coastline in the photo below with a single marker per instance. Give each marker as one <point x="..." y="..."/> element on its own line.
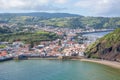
<point x="42" y="59"/>
<point x="112" y="64"/>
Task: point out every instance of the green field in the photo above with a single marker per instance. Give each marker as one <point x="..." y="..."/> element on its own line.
<point x="29" y="37"/>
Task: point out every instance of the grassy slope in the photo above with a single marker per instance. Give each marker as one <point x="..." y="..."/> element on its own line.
<point x="105" y="46"/>
<point x="28" y="37"/>
<point x="63" y="21"/>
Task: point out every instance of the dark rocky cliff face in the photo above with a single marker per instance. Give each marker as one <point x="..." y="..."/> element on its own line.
<point x="107" y="47"/>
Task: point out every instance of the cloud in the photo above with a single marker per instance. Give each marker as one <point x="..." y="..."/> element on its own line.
<point x="84" y="7"/>
<point x="60" y="1"/>
<point x="4" y="4"/>
<point x="100" y="7"/>
<point x="33" y="5"/>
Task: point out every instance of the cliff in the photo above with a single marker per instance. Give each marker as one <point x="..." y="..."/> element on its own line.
<point x="107" y="47"/>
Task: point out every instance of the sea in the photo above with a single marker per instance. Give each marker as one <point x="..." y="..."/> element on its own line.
<point x="56" y="70"/>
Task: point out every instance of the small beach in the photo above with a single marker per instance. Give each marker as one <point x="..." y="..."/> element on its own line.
<point x="104" y="62"/>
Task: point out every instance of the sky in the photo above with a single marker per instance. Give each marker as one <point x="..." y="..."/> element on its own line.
<point x="82" y="7"/>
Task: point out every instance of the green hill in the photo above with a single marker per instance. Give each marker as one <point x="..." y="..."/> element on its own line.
<point x="107" y="47"/>
<point x="28" y="37"/>
<point x="82" y="22"/>
<point x="59" y="20"/>
<point x="39" y="14"/>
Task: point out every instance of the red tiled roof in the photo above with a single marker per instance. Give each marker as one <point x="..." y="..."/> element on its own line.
<point x="3" y="53"/>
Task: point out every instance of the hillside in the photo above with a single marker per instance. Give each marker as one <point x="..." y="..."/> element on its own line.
<point x="107" y="47"/>
<point x="28" y="37"/>
<point x="82" y="22"/>
<point x="59" y="20"/>
<point x="39" y="14"/>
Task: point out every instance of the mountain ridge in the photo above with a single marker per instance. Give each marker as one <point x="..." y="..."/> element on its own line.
<point x="42" y="14"/>
<point x="59" y="20"/>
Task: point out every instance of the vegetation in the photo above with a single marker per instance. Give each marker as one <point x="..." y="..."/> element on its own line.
<point x="5" y="30"/>
<point x="59" y="20"/>
<point x="107" y="47"/>
<point x="2" y="46"/>
<point x="83" y="22"/>
<point x="29" y="36"/>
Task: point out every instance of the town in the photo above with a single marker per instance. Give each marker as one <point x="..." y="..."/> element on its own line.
<point x="71" y="44"/>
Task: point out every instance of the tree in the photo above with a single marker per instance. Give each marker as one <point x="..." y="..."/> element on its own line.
<point x="31" y="44"/>
<point x="59" y="43"/>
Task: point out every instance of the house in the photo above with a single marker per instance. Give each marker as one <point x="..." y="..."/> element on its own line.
<point x="18" y="44"/>
<point x="3" y="43"/>
<point x="3" y="53"/>
<point x="81" y="53"/>
<point x="40" y="46"/>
